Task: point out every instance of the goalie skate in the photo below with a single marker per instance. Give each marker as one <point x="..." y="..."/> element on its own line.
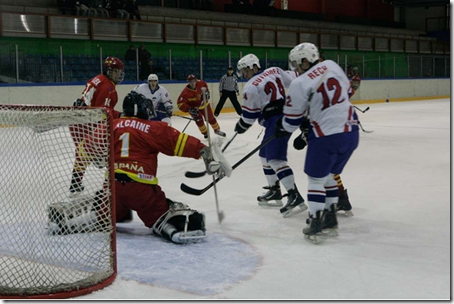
<point x="194" y="236"/>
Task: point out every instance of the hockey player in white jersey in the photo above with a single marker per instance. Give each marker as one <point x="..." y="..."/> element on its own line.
<point x="322" y="90"/>
<point x="263" y="100"/>
<point x="159" y="96"/>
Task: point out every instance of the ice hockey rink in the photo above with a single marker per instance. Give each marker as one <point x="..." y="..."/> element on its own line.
<point x="396" y="246"/>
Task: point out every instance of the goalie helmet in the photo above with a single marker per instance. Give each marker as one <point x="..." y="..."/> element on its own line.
<point x="304" y="50"/>
<point x="111" y="65"/>
<point x="137" y="105"/>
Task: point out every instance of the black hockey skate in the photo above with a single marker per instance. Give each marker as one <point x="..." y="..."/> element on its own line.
<point x="219" y="132"/>
<point x="273" y="194"/>
<point x="313" y="230"/>
<point x="344" y="204"/>
<point x="329" y="222"/>
<point x="295" y="203"/>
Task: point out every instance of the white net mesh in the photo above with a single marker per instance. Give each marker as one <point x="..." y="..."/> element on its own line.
<point x="52" y="240"/>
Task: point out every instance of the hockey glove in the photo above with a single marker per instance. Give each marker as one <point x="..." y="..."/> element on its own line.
<point x="304" y="126"/>
<point x="355" y="82"/>
<point x="300" y="142"/>
<point x="279" y="130"/>
<point x="79" y="102"/>
<point x="169" y="111"/>
<point x="211" y="165"/>
<point x="207" y="94"/>
<point x="193" y="111"/>
<point x="241" y="126"/>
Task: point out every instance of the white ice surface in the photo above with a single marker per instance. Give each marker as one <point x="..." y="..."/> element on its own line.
<point x="397" y="246"/>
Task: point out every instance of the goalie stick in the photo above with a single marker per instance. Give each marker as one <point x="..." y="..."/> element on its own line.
<point x="185" y="188"/>
<point x="191" y="174"/>
<point x="205" y="103"/>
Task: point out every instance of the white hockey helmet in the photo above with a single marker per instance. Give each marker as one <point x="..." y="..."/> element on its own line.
<point x="153" y="77"/>
<point x="247" y="61"/>
<point x="304" y="50"/>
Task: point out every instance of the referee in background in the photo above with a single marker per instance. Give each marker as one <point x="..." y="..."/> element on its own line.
<point x="228" y="87"/>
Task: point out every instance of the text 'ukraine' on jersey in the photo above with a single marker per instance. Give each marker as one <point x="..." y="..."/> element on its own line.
<point x="262" y="89"/>
<point x="323" y="90"/>
<point x="138" y="142"/>
<point x="159" y="96"/>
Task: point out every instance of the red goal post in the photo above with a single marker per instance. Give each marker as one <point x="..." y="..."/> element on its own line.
<point x="54" y="244"/>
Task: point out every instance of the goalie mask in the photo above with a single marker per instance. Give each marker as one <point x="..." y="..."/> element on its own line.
<point x="137" y="105"/>
<point x="304" y="50"/>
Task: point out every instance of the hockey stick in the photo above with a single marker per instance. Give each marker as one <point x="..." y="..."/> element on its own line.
<point x="185" y="188"/>
<point x="230" y="141"/>
<point x="205" y="103"/>
<point x="191" y="174"/>
<point x="192" y="119"/>
<point x="185" y="117"/>
<point x="362" y="111"/>
<point x="362" y="129"/>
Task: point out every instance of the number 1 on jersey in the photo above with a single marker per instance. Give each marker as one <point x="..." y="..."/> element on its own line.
<point x="124" y="144"/>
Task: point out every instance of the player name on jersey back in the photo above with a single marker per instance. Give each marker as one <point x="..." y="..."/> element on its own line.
<point x="132" y="123"/>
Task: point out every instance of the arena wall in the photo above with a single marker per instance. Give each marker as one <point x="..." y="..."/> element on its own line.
<point x="371" y="91"/>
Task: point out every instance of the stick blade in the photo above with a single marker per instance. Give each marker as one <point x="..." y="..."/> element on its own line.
<point x="191" y="174"/>
<point x="189" y="190"/>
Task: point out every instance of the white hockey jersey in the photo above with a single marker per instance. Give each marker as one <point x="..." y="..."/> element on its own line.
<point x="159" y="96"/>
<point x="323" y="90"/>
<point x="263" y="88"/>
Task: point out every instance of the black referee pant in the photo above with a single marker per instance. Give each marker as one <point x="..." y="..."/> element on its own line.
<point x="232" y="96"/>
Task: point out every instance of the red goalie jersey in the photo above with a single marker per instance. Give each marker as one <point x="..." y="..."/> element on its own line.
<point x="138" y="142"/>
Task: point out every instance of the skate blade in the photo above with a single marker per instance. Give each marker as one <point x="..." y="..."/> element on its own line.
<point x="330" y="232"/>
<point x="277" y="203"/>
<point x="314" y="239"/>
<point x="345" y="213"/>
<point x="298" y="209"/>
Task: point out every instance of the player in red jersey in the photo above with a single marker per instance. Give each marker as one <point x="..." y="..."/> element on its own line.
<point x="137" y="143"/>
<point x="99" y="92"/>
<point x="191" y="101"/>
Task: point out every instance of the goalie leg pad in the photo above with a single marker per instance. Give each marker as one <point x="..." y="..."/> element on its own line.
<point x="180" y="224"/>
<point x="76" y="216"/>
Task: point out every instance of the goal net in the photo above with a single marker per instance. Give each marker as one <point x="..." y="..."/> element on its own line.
<point x="55" y="243"/>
